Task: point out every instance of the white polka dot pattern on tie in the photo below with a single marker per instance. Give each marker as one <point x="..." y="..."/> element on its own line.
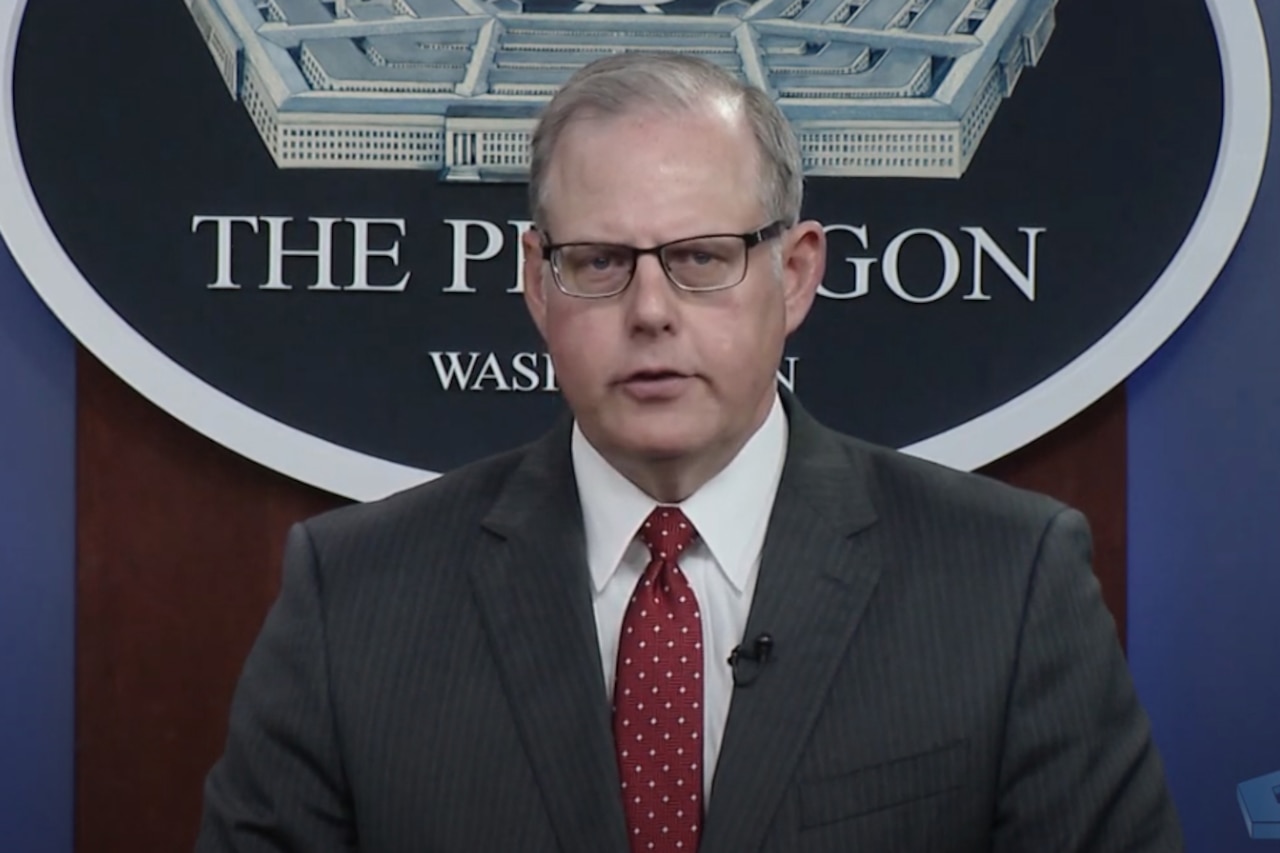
<point x="661" y="780"/>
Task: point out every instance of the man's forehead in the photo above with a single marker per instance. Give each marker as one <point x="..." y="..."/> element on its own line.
<point x="657" y="131"/>
<point x="600" y="176"/>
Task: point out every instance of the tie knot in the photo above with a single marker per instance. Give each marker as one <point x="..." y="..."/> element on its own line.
<point x="667" y="532"/>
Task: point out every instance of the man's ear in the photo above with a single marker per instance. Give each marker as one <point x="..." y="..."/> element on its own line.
<point x="804" y="261"/>
<point x="534" y="277"/>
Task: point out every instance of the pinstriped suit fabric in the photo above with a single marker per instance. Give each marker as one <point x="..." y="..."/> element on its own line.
<point x="945" y="677"/>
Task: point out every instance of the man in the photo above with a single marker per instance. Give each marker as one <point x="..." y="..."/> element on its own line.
<point x="532" y="653"/>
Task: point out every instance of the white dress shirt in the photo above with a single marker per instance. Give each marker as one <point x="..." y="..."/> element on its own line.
<point x="730" y="513"/>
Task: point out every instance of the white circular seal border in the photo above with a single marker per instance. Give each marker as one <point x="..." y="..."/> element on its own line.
<point x="1232" y="190"/>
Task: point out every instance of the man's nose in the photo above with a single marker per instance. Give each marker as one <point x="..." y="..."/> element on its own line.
<point x="652" y="295"/>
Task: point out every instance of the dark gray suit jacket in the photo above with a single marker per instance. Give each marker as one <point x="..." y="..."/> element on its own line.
<point x="945" y="676"/>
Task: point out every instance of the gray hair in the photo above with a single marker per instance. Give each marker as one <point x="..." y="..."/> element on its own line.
<point x="671" y="82"/>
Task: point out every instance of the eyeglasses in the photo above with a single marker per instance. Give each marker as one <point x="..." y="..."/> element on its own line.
<point x="695" y="264"/>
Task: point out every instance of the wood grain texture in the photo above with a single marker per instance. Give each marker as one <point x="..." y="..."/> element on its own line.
<point x="179" y="551"/>
<point x="179" y="544"/>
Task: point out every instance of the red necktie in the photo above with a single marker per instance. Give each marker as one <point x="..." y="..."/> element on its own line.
<point x="657" y="696"/>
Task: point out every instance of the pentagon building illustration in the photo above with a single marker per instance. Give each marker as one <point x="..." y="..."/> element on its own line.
<point x="1259" y="801"/>
<point x="902" y="88"/>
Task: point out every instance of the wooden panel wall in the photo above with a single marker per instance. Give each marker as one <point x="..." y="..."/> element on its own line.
<point x="179" y="547"/>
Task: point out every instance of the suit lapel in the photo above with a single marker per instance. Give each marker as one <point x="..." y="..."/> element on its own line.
<point x="533" y="589"/>
<point x="818" y="571"/>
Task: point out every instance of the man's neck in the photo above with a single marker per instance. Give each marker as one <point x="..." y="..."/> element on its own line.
<point x="673" y="479"/>
<point x="670" y="481"/>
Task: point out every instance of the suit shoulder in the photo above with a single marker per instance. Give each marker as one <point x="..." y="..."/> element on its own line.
<point x="954" y="525"/>
<point x="912" y="483"/>
<point x="452" y="501"/>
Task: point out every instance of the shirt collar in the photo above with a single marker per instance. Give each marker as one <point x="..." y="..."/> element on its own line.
<point x="730" y="511"/>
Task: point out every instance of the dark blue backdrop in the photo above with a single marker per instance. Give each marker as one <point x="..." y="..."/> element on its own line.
<point x="1204" y="530"/>
<point x="1204" y="587"/>
<point x="37" y="578"/>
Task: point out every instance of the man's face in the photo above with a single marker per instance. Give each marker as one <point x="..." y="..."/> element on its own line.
<point x="655" y="374"/>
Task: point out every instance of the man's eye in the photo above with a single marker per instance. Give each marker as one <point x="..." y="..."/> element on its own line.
<point x="690" y="257"/>
<point x="703" y="253"/>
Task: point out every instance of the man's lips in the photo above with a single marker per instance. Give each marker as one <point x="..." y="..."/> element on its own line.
<point x="655" y="384"/>
<point x="654" y="375"/>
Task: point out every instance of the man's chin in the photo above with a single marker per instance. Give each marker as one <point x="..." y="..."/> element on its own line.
<point x="651" y="436"/>
<point x="659" y="447"/>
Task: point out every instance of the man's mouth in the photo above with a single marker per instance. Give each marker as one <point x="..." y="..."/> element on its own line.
<point x="655" y="384"/>
<point x="654" y="375"/>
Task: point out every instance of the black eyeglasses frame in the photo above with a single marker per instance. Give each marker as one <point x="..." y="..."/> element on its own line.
<point x="750" y="240"/>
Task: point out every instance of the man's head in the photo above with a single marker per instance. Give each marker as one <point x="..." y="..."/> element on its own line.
<point x="667" y="358"/>
<point x="671" y="83"/>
